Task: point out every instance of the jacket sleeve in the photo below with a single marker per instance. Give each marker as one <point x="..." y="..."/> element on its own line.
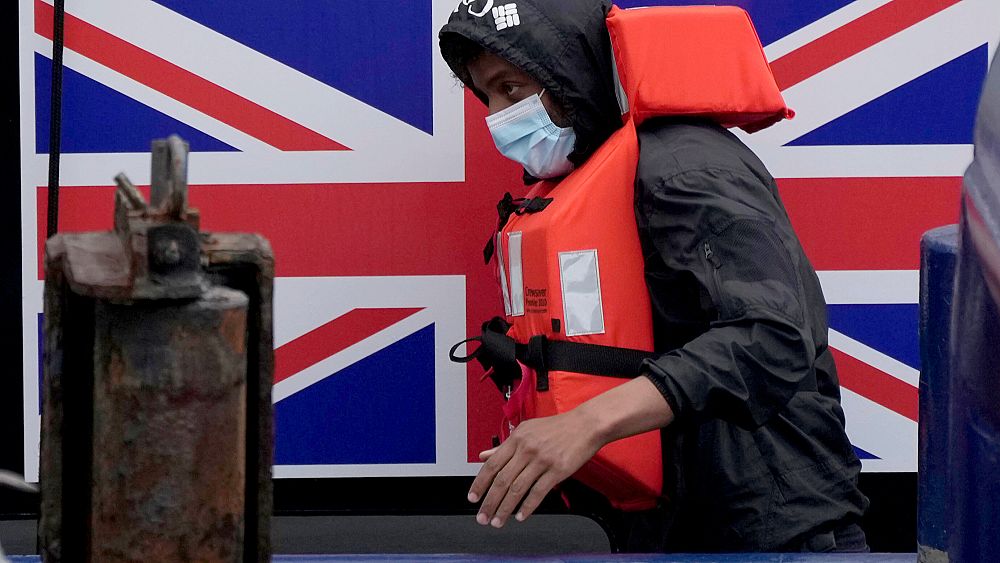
<point x="727" y="230"/>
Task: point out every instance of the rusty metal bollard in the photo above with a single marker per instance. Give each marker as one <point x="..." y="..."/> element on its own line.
<point x="157" y="438"/>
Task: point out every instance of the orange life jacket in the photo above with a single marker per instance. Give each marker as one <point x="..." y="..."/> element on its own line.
<point x="570" y="262"/>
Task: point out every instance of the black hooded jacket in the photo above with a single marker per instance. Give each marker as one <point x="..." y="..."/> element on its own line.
<point x="757" y="458"/>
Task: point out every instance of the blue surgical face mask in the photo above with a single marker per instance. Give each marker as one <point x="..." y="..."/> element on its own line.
<point x="524" y="133"/>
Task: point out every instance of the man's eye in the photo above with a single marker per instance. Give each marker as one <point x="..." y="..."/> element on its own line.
<point x="510" y="89"/>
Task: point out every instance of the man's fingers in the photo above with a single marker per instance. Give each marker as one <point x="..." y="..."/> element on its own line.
<point x="520" y="487"/>
<point x="489" y="470"/>
<point x="498" y="489"/>
<point x="538" y="492"/>
<point x="483" y="456"/>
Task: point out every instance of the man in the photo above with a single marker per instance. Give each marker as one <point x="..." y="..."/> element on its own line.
<point x="742" y="383"/>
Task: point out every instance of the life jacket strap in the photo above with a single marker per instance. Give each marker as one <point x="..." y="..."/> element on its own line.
<point x="510" y="206"/>
<point x="533" y="205"/>
<point x="497" y="353"/>
<point x="501" y="354"/>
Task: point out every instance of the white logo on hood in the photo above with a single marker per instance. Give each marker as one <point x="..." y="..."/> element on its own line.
<point x="506" y="16"/>
<point x="486" y="9"/>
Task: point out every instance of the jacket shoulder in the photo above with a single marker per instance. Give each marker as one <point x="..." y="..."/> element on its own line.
<point x="669" y="147"/>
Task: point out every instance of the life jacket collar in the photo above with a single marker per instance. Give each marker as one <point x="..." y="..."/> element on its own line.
<point x="694" y="61"/>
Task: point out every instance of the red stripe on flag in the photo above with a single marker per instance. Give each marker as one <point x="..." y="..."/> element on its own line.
<point x="333" y="337"/>
<point x="852" y="38"/>
<point x="863" y="379"/>
<point x="182" y="85"/>
<point x="868" y="223"/>
<point x="843" y="223"/>
<point x="323" y="229"/>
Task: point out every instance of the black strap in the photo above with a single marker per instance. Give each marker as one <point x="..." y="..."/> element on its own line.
<point x="533" y="205"/>
<point x="535" y="354"/>
<point x="499" y="352"/>
<point x="505" y="208"/>
<point x="594" y="359"/>
<point x="510" y="206"/>
<point x="55" y="119"/>
<point x="452" y="354"/>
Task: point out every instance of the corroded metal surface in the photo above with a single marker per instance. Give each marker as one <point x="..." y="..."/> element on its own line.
<point x="157" y="438"/>
<point x="153" y="251"/>
<point x="169" y="430"/>
<point x="245" y="262"/>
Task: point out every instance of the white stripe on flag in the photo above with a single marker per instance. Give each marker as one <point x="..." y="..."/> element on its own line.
<point x="874" y="358"/>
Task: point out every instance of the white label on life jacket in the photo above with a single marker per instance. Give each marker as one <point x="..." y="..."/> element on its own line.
<point x="516" y="275"/>
<point x="503" y="275"/>
<point x="583" y="308"/>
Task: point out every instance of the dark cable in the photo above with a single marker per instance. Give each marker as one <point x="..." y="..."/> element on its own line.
<point x="55" y="123"/>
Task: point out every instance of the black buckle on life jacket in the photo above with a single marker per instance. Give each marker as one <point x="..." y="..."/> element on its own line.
<point x="510" y="206"/>
<point x="533" y="205"/>
<point x="506" y="207"/>
<point x="496" y="352"/>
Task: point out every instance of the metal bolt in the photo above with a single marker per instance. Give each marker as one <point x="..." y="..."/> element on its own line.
<point x="168" y="252"/>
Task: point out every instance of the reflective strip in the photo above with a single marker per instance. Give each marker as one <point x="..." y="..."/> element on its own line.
<point x="503" y="275"/>
<point x="516" y="275"/>
<point x="619" y="88"/>
<point x="583" y="310"/>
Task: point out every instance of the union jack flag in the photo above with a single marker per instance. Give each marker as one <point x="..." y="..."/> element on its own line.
<point x="336" y="131"/>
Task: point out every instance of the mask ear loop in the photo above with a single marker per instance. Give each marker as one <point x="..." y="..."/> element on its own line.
<point x="562" y="130"/>
<point x="540" y="94"/>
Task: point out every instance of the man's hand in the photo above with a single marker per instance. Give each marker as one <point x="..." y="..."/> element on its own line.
<point x="539" y="455"/>
<point x="542" y="452"/>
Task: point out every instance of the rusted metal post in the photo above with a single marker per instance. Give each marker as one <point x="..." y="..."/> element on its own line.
<point x="170" y="418"/>
<point x="156" y="429"/>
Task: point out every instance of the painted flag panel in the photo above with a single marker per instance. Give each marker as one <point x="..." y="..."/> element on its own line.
<point x="334" y="129"/>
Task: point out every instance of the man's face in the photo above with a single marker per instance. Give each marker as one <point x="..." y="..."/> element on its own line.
<point x="504" y="85"/>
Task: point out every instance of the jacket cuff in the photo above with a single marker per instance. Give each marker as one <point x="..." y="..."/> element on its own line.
<point x="652" y="372"/>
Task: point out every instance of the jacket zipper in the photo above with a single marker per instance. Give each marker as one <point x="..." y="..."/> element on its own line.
<point x="714" y="264"/>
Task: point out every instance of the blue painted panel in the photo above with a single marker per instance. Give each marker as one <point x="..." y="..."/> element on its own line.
<point x="773" y="19"/>
<point x="939" y="108"/>
<point x="378" y="52"/>
<point x="862" y="454"/>
<point x="370" y="412"/>
<point x="99" y="119"/>
<point x="891" y="329"/>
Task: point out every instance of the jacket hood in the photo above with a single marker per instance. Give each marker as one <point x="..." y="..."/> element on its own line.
<point x="563" y="44"/>
<point x="602" y="62"/>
